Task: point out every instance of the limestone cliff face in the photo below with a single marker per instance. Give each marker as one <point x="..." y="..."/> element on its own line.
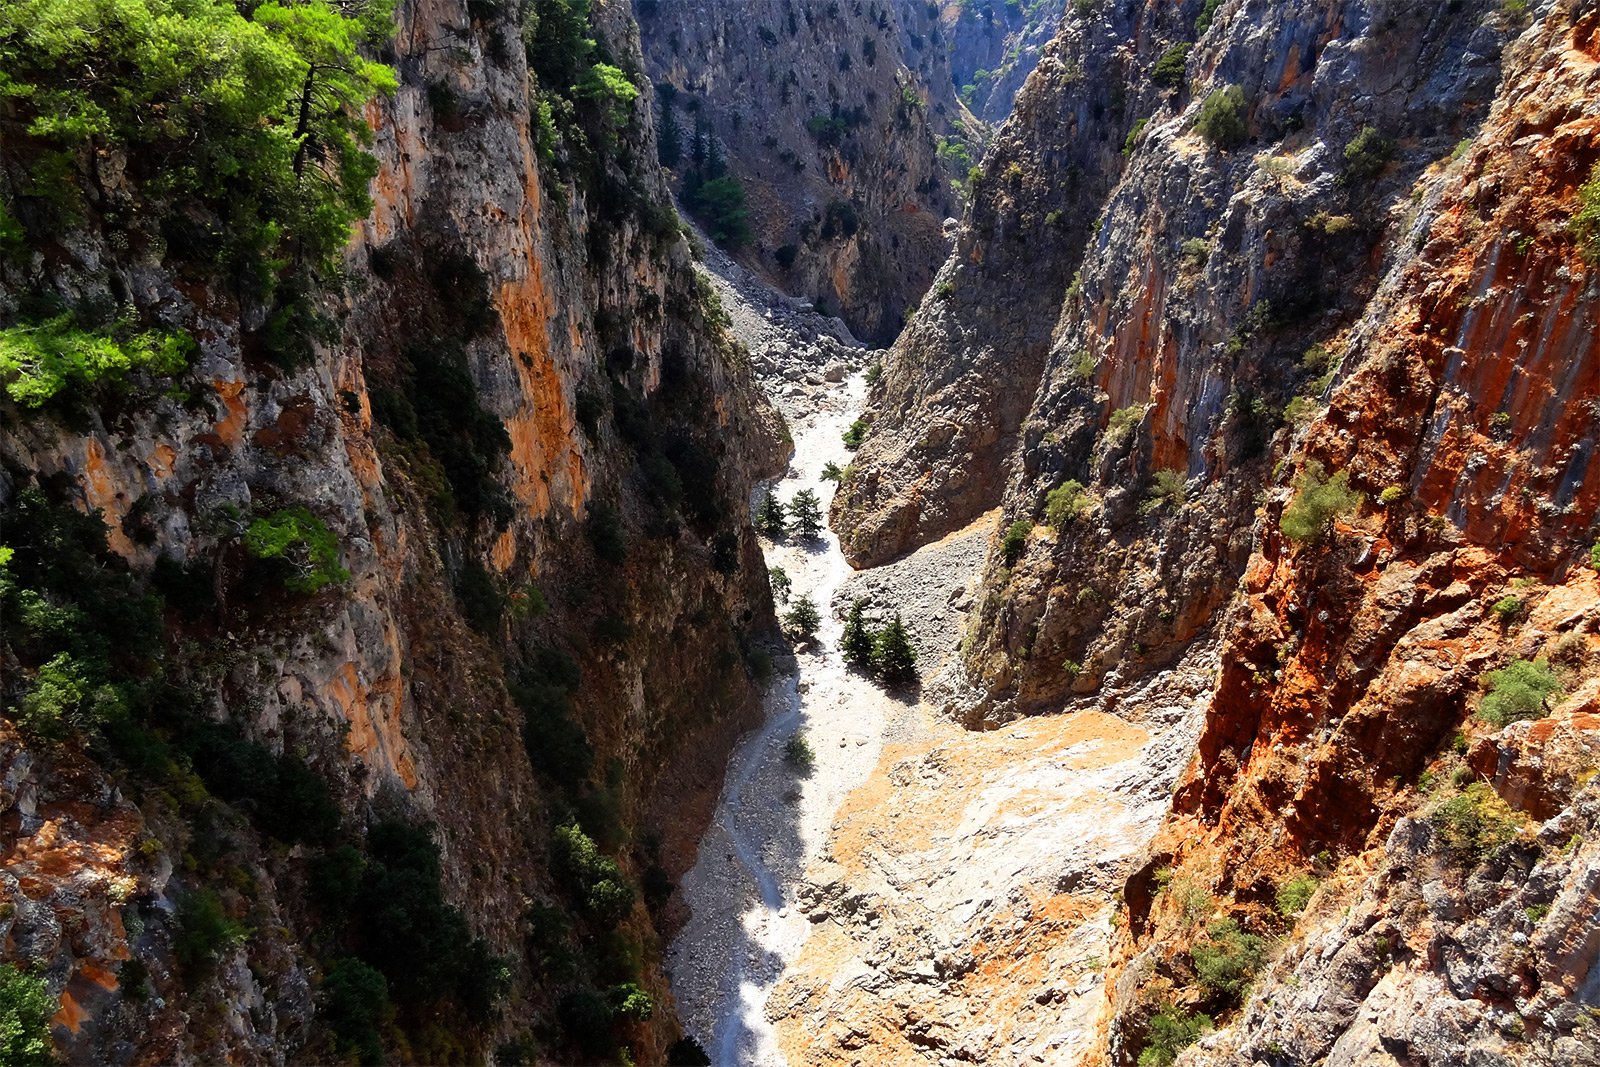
<point x="828" y="116"/>
<point x="1452" y="921"/>
<point x="612" y="536"/>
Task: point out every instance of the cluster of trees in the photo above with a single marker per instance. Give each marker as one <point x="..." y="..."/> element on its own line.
<point x="712" y="194"/>
<point x="886" y="652"/>
<point x="802" y="515"/>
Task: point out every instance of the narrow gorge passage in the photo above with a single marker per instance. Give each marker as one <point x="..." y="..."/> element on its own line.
<point x="772" y="818"/>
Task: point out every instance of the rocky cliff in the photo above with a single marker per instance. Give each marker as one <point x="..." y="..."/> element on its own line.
<point x="994" y="45"/>
<point x="1302" y="363"/>
<point x="365" y="691"/>
<point x="828" y="119"/>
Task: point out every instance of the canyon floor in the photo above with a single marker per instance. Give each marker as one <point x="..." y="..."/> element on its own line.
<point x="923" y="893"/>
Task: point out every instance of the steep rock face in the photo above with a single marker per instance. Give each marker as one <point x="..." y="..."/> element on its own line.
<point x="1350" y="664"/>
<point x="1154" y="380"/>
<point x="560" y="311"/>
<point x="827" y="115"/>
<point x="994" y="45"/>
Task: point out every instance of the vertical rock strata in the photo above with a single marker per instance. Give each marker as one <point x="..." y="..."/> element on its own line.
<point x="632" y="434"/>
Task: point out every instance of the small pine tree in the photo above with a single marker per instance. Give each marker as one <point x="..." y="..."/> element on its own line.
<point x="896" y="659"/>
<point x="781" y="586"/>
<point x="857" y="643"/>
<point x="803" y="619"/>
<point x="831" y="472"/>
<point x="772" y="516"/>
<point x="805" y="512"/>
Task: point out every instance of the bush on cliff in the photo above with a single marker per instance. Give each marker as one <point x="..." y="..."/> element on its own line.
<point x="1585" y="224"/>
<point x="1318" y="500"/>
<point x="1227" y="959"/>
<point x="1520" y="690"/>
<point x="1169" y="1032"/>
<point x="1222" y="119"/>
<point x="26" y="1007"/>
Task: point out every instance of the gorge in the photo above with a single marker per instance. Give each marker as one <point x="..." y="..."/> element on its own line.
<point x="418" y="643"/>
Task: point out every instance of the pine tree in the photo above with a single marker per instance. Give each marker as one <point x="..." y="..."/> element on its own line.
<point x="803" y="619"/>
<point x="669" y="141"/>
<point x="805" y="513"/>
<point x="857" y="642"/>
<point x="781" y="586"/>
<point x="897" y="660"/>
<point x="770" y="515"/>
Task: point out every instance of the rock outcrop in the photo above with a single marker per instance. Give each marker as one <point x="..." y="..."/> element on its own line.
<point x="828" y="117"/>
<point x="544" y="621"/>
<point x="994" y="45"/>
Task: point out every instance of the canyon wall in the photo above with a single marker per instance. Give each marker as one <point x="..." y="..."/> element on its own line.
<point x="829" y="116"/>
<point x="1268" y="326"/>
<point x="521" y="426"/>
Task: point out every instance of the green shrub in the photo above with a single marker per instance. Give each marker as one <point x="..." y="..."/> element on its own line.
<point x="1169" y="69"/>
<point x="1167" y="489"/>
<point x="1129" y="141"/>
<point x="797" y="753"/>
<point x="480" y="596"/>
<point x="832" y="472"/>
<point x="894" y="655"/>
<point x="1391" y="495"/>
<point x="611" y="90"/>
<point x="1318" y="500"/>
<point x="628" y="1001"/>
<point x="354" y="1006"/>
<point x="1295" y="893"/>
<point x="26" y="1008"/>
<point x="1585" y="223"/>
<point x="204" y="931"/>
<point x="803" y="619"/>
<point x="720" y="206"/>
<point x="1365" y="156"/>
<point x="302" y="544"/>
<point x="1222" y="119"/>
<point x="1227" y="959"/>
<point x="1520" y="690"/>
<point x="805" y="513"/>
<point x="856" y="434"/>
<point x="1202" y="23"/>
<point x="41" y="361"/>
<point x="1508" y="609"/>
<point x="1122" y="423"/>
<point x="595" y="880"/>
<point x="1169" y="1032"/>
<point x="1475" y="822"/>
<point x="1015" y="541"/>
<point x="1067" y="503"/>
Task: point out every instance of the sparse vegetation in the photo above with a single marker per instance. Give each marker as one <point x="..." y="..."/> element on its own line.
<point x="1365" y="156"/>
<point x="856" y="434"/>
<point x="781" y="584"/>
<point x="1202" y="23"/>
<point x="1295" y="893"/>
<point x="1508" y="609"/>
<point x="797" y="753"/>
<point x="805" y="513"/>
<point x="1121" y="425"/>
<point x="1015" y="541"/>
<point x="1067" y="503"/>
<point x="832" y="472"/>
<point x="1520" y="690"/>
<point x="1585" y="223"/>
<point x="1169" y="69"/>
<point x="1318" y="500"/>
<point x="1391" y="495"/>
<point x="1169" y="1032"/>
<point x="803" y="619"/>
<point x="26" y="1008"/>
<point x="1475" y="822"/>
<point x="1167" y="490"/>
<point x="771" y="516"/>
<point x="1227" y="959"/>
<point x="1222" y="119"/>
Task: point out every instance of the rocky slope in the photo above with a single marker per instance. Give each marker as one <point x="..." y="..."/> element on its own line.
<point x="1359" y="265"/>
<point x="529" y="442"/>
<point x="828" y="117"/>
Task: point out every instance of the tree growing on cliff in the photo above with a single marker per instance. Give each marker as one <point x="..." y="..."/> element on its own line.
<point x="805" y="513"/>
<point x="772" y="516"/>
<point x="1318" y="500"/>
<point x="1520" y="690"/>
<point x="858" y="642"/>
<point x="1222" y="119"/>
<point x="896" y="658"/>
<point x="1585" y="224"/>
